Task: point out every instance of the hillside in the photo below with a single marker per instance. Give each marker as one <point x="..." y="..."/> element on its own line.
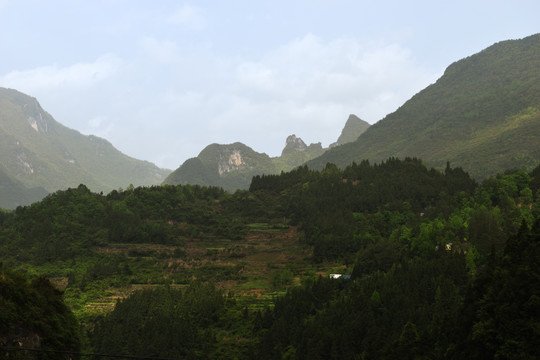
<point x="228" y="166"/>
<point x="483" y="114"/>
<point x="13" y="193"/>
<point x="233" y="166"/>
<point x="439" y="265"/>
<point x="38" y="151"/>
<point x="354" y="127"/>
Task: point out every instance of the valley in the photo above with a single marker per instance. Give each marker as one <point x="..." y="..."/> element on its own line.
<point x="433" y="213"/>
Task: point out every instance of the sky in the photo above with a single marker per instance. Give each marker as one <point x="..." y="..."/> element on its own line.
<point x="163" y="79"/>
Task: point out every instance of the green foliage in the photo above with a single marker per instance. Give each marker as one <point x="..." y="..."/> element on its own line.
<point x="482" y="115"/>
<point x="428" y="251"/>
<point x="166" y="322"/>
<point x="33" y="315"/>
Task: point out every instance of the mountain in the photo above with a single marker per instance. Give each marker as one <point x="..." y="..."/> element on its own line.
<point x="13" y="193"/>
<point x="37" y="151"/>
<point x="229" y="166"/>
<point x="483" y="114"/>
<point x="232" y="166"/>
<point x="354" y="127"/>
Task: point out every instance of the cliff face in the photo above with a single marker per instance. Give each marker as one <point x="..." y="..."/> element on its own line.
<point x="293" y="144"/>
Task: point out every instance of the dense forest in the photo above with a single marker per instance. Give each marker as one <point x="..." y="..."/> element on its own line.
<point x="441" y="267"/>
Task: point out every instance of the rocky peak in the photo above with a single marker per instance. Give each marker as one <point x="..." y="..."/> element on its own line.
<point x="293" y="144"/>
<point x="37" y="118"/>
<point x="354" y="127"/>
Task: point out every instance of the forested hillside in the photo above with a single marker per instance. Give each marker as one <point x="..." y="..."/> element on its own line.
<point x="483" y="115"/>
<point x="33" y="316"/>
<point x="441" y="266"/>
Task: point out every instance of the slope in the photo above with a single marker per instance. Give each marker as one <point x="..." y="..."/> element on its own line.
<point x="354" y="127"/>
<point x="38" y="151"/>
<point x="232" y="166"/>
<point x="483" y="114"/>
<point x="13" y="193"/>
<point x="228" y="166"/>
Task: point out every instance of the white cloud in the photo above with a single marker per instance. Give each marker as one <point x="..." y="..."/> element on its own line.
<point x="309" y="87"/>
<point x="160" y="51"/>
<point x="167" y="105"/>
<point x="342" y="71"/>
<point x="100" y="126"/>
<point x="188" y="16"/>
<point x="80" y="75"/>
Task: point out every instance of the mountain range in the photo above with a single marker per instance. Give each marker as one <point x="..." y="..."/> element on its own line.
<point x="40" y="155"/>
<point x="232" y="166"/>
<point x="483" y="115"/>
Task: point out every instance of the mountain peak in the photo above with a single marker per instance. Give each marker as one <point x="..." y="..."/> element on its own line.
<point x="482" y="115"/>
<point x="293" y="144"/>
<point x="39" y="152"/>
<point x="354" y="127"/>
<point x="33" y="113"/>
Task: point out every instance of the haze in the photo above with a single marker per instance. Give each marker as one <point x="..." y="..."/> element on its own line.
<point x="162" y="79"/>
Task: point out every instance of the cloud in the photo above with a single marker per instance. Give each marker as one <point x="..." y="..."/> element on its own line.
<point x="166" y="104"/>
<point x="343" y="71"/>
<point x="80" y="75"/>
<point x="100" y="126"/>
<point x="310" y="85"/>
<point x="189" y="17"/>
<point x="160" y="51"/>
<point x="306" y="87"/>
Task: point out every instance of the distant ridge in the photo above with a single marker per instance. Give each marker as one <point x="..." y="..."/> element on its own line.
<point x="233" y="166"/>
<point x="483" y="114"/>
<point x="37" y="151"/>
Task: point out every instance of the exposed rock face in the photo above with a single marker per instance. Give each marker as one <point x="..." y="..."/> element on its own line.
<point x="293" y="144"/>
<point x="230" y="162"/>
<point x="36" y="116"/>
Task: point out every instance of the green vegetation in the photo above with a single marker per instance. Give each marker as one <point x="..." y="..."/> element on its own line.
<point x="482" y="115"/>
<point x="232" y="166"/>
<point x="437" y="265"/>
<point x="228" y="166"/>
<point x="33" y="315"/>
<point x="441" y="266"/>
<point x="354" y="127"/>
